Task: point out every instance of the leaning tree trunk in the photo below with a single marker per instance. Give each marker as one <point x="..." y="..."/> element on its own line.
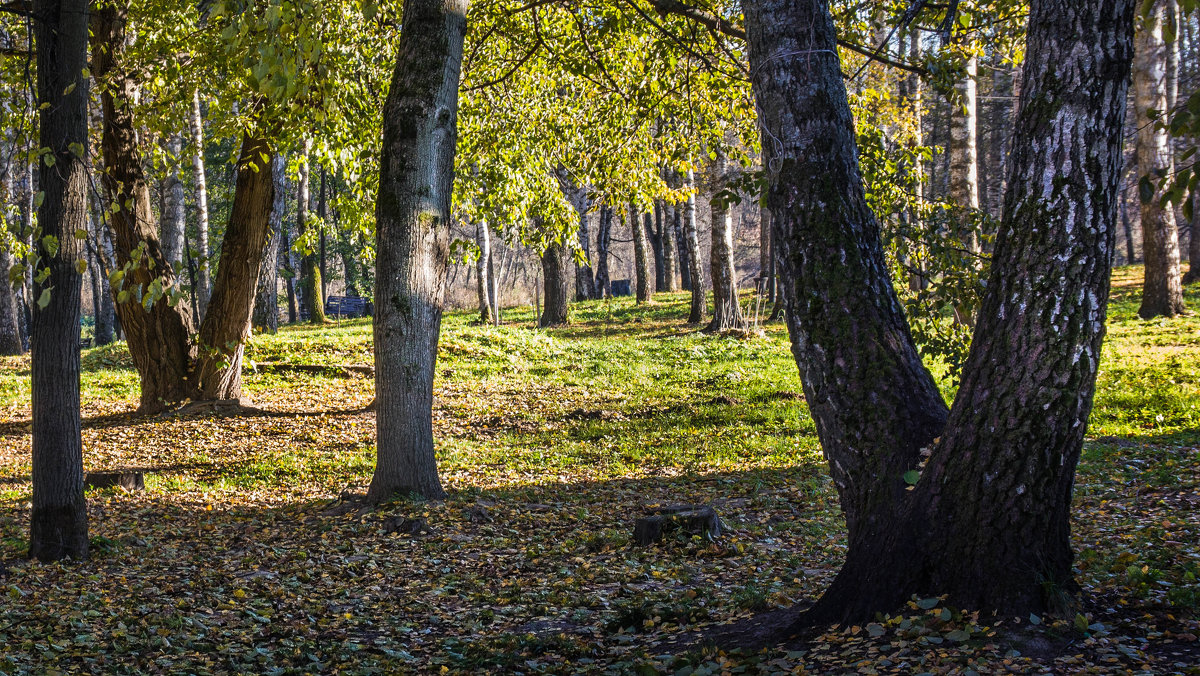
<point x="727" y="311"/>
<point x="196" y="122"/>
<point x="58" y="521"/>
<point x="556" y="282"/>
<point x="641" y="263"/>
<point x="158" y="331"/>
<point x="217" y="374"/>
<point x="603" y="242"/>
<point x="412" y="213"/>
<point x="691" y="238"/>
<point x="266" y="299"/>
<point x="986" y="521"/>
<point x="1162" y="293"/>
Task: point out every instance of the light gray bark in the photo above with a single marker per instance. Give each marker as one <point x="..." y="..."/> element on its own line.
<point x="174" y="222"/>
<point x="204" y="281"/>
<point x="266" y="299"/>
<point x="727" y="310"/>
<point x="691" y="239"/>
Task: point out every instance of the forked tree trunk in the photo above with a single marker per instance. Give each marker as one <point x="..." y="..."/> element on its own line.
<point x="196" y="123"/>
<point x="986" y="523"/>
<point x="603" y="240"/>
<point x="727" y="311"/>
<point x="158" y="332"/>
<point x="266" y="299"/>
<point x="641" y="263"/>
<point x="691" y="238"/>
<point x="412" y="214"/>
<point x="217" y="373"/>
<point x="1162" y="293"/>
<point x="556" y="282"/>
<point x="58" y="522"/>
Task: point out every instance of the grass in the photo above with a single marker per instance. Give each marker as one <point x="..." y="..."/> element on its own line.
<point x="236" y="557"/>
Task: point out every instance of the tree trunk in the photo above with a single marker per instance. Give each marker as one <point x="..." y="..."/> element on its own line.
<point x="603" y="240"/>
<point x="684" y="264"/>
<point x="640" y="263"/>
<point x="412" y="215"/>
<point x="585" y="285"/>
<point x="963" y="173"/>
<point x="310" y="271"/>
<point x="223" y="331"/>
<point x="266" y="299"/>
<point x="655" y="235"/>
<point x="323" y="212"/>
<point x="1127" y="228"/>
<point x="101" y="261"/>
<point x="670" y="251"/>
<point x="158" y="331"/>
<point x="483" y="284"/>
<point x="1162" y="294"/>
<point x="996" y="490"/>
<point x="201" y="186"/>
<point x="173" y="219"/>
<point x="727" y="310"/>
<point x="1193" y="273"/>
<point x="556" y="280"/>
<point x="695" y="277"/>
<point x="289" y="269"/>
<point x="493" y="288"/>
<point x="10" y="311"/>
<point x="58" y="522"/>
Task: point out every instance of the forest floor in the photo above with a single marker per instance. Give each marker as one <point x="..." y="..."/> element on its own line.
<point x="242" y="555"/>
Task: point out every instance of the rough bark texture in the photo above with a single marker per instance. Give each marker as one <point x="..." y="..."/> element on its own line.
<point x="986" y="522"/>
<point x="670" y="250"/>
<point x="641" y="262"/>
<point x="310" y="269"/>
<point x="158" y="333"/>
<point x="173" y="217"/>
<point x="204" y="283"/>
<point x="58" y="522"/>
<point x="964" y="155"/>
<point x="266" y="299"/>
<point x="1162" y="294"/>
<point x="603" y="240"/>
<point x="556" y="280"/>
<point x="691" y="238"/>
<point x="684" y="264"/>
<point x="412" y="213"/>
<point x="727" y="311"/>
<point x="217" y="373"/>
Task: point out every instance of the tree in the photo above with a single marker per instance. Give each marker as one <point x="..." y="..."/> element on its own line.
<point x="641" y="263"/>
<point x="1162" y="293"/>
<point x="603" y="241"/>
<point x="58" y="523"/>
<point x="556" y="278"/>
<point x="412" y="214"/>
<point x="691" y="240"/>
<point x="483" y="267"/>
<point x="266" y="299"/>
<point x="200" y="180"/>
<point x="174" y="219"/>
<point x="310" y="270"/>
<point x="986" y="519"/>
<point x="10" y="311"/>
<point x="727" y="310"/>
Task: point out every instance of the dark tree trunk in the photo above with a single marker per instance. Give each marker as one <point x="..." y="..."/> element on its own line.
<point x="289" y="270"/>
<point x="158" y="332"/>
<point x="684" y="264"/>
<point x="1193" y="273"/>
<point x="656" y="245"/>
<point x="100" y="262"/>
<point x="986" y="522"/>
<point x="695" y="276"/>
<point x="58" y="522"/>
<point x="556" y="281"/>
<point x="603" y="241"/>
<point x="266" y="300"/>
<point x="641" y="264"/>
<point x="412" y="213"/>
<point x="585" y="285"/>
<point x="727" y="311"/>
<point x="669" y="240"/>
<point x="310" y="269"/>
<point x="218" y="368"/>
<point x="1127" y="228"/>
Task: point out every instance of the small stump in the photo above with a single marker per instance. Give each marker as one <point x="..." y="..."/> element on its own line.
<point x="699" y="520"/>
<point x="130" y="481"/>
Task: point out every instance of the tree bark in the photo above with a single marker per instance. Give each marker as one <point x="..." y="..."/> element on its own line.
<point x="1127" y="228"/>
<point x="158" y="332"/>
<point x="58" y="523"/>
<point x="691" y="237"/>
<point x="727" y="310"/>
<point x="1162" y="293"/>
<point x="266" y="299"/>
<point x="585" y="285"/>
<point x="310" y="271"/>
<point x="483" y="280"/>
<point x="603" y="241"/>
<point x="10" y="311"/>
<point x="637" y="231"/>
<point x="1193" y="273"/>
<point x="217" y="373"/>
<point x="556" y="281"/>
<point x="684" y="265"/>
<point x="196" y="122"/>
<point x="655" y="235"/>
<point x="996" y="491"/>
<point x="413" y="241"/>
<point x="289" y="269"/>
<point x="670" y="251"/>
<point x="174" y="221"/>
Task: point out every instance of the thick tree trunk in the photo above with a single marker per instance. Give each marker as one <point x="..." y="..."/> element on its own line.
<point x="196" y="122"/>
<point x="266" y="299"/>
<point x="727" y="310"/>
<point x="174" y="221"/>
<point x="158" y="331"/>
<point x="556" y="281"/>
<point x="603" y="240"/>
<point x="310" y="271"/>
<point x="691" y="237"/>
<point x="58" y="522"/>
<point x="996" y="491"/>
<point x="1162" y="294"/>
<point x="483" y="285"/>
<point x="217" y="373"/>
<point x="412" y="213"/>
<point x="641" y="264"/>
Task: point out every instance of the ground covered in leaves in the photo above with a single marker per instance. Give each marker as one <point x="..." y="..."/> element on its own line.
<point x="244" y="555"/>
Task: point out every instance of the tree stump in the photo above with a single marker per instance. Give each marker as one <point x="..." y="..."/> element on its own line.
<point x="130" y="481"/>
<point x="694" y="519"/>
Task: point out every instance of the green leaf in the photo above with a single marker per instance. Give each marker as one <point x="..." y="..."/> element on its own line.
<point x="911" y="477"/>
<point x="44" y="299"/>
<point x="959" y="635"/>
<point x="926" y="604"/>
<point x="1034" y="619"/>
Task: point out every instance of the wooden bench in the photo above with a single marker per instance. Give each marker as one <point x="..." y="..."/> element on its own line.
<point x="349" y="307"/>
